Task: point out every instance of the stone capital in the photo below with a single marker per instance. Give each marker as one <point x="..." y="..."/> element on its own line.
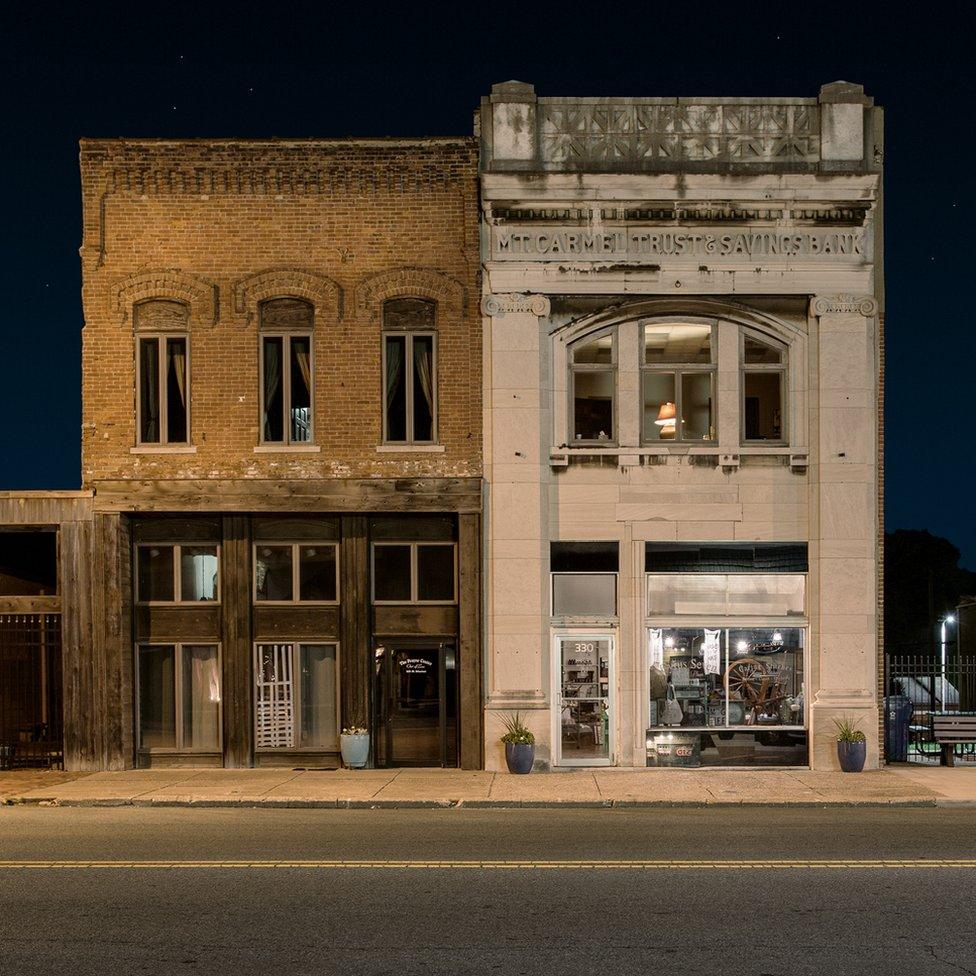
<point x="844" y="305"/>
<point x="500" y="304"/>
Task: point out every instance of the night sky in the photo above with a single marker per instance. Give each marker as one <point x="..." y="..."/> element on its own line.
<point x="257" y="70"/>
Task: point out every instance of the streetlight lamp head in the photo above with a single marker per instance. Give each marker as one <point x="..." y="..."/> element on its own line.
<point x="949" y="618"/>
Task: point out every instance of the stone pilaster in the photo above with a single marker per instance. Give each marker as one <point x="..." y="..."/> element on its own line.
<point x="844" y="557"/>
<point x="517" y="436"/>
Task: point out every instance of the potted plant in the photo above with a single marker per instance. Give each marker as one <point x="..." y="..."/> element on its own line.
<point x="852" y="745"/>
<point x="519" y="745"/>
<point x="354" y="745"/>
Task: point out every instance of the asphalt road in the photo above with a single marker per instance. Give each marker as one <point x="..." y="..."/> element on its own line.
<point x="702" y="918"/>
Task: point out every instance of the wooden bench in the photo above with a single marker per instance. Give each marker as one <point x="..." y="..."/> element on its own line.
<point x="950" y="729"/>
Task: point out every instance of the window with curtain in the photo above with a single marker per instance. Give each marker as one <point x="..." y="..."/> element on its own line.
<point x="179" y="697"/>
<point x="678" y="381"/>
<point x="409" y="371"/>
<point x="296" y="696"/>
<point x="163" y="401"/>
<point x="763" y="379"/>
<point x="286" y="371"/>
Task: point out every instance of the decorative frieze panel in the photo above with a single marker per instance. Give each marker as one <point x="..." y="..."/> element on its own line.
<point x="576" y="135"/>
<point x="497" y="305"/>
<point x="845" y="304"/>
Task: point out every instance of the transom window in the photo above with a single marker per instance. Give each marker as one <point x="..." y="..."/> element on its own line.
<point x="678" y="382"/>
<point x="181" y="573"/>
<point x="286" y="371"/>
<point x="409" y="371"/>
<point x="592" y="388"/>
<point x="414" y="572"/>
<point x="763" y="388"/>
<point x="296" y="572"/>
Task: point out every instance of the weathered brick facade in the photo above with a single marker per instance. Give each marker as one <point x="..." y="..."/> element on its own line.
<point x="222" y="225"/>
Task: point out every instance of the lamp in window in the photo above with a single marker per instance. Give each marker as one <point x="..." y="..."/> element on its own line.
<point x="666" y="420"/>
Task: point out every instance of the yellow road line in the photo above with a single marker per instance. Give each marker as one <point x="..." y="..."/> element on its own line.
<point x="493" y="865"/>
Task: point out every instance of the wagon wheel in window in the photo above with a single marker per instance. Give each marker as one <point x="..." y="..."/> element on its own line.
<point x="747" y="680"/>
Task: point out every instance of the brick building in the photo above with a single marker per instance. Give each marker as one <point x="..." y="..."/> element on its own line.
<point x="281" y="455"/>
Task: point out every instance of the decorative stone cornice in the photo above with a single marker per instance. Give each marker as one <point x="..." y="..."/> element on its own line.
<point x="202" y="297"/>
<point x="497" y="305"/>
<point x="844" y="304"/>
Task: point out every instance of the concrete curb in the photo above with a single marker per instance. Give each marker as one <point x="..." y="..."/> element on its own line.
<point x="460" y="804"/>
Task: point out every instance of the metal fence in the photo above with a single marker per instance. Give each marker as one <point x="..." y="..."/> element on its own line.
<point x="932" y="688"/>
<point x="31" y="729"/>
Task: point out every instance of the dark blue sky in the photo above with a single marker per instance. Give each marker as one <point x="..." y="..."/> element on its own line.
<point x="331" y="70"/>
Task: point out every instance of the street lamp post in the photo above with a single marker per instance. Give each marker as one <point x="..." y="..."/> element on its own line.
<point x="947" y="619"/>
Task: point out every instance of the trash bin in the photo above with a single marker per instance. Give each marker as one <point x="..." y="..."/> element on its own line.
<point x="898" y="715"/>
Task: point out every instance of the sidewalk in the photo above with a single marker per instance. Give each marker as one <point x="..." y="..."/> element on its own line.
<point x="894" y="786"/>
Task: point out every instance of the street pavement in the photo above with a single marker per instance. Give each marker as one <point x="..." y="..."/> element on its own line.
<point x="723" y="890"/>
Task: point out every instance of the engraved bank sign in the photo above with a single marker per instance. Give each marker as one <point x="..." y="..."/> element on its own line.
<point x="653" y="244"/>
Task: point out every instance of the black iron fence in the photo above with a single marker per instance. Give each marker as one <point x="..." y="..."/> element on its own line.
<point x="30" y="690"/>
<point x="932" y="687"/>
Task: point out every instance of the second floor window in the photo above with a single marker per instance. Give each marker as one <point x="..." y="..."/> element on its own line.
<point x="163" y="403"/>
<point x="763" y="388"/>
<point x="593" y="383"/>
<point x="286" y="371"/>
<point x="678" y="382"/>
<point x="409" y="372"/>
<point x="293" y="572"/>
<point x="183" y="573"/>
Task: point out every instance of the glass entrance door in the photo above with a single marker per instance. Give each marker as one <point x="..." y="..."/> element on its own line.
<point x="583" y="692"/>
<point x="417" y="706"/>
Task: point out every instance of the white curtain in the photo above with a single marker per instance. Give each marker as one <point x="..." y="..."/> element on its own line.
<point x="201" y="690"/>
<point x="656" y="648"/>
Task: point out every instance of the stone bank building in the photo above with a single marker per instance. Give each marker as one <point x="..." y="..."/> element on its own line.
<point x="579" y="417"/>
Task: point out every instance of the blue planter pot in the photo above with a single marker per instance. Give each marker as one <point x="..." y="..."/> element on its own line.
<point x="852" y="756"/>
<point x="519" y="757"/>
<point x="355" y="750"/>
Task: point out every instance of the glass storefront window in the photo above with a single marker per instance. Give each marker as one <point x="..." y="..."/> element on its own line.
<point x="725" y="594"/>
<point x="179" y="697"/>
<point x="273" y="573"/>
<point x="198" y="572"/>
<point x="317" y="573"/>
<point x="722" y="677"/>
<point x="295" y="703"/>
<point x="154" y="571"/>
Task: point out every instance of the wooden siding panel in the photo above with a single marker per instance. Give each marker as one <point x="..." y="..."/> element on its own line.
<point x="235" y="612"/>
<point x="355" y="653"/>
<point x="80" y="750"/>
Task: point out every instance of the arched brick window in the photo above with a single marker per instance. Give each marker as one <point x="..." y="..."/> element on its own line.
<point x="409" y="371"/>
<point x="286" y="327"/>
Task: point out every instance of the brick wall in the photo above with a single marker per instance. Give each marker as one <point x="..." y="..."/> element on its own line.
<point x="222" y="225"/>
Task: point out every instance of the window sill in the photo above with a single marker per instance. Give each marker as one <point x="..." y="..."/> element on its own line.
<point x="410" y="449"/>
<point x="163" y="449"/>
<point x="288" y="449"/>
<point x="559" y="457"/>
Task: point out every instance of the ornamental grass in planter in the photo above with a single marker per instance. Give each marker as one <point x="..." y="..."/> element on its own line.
<point x="852" y="746"/>
<point x="519" y="745"/>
